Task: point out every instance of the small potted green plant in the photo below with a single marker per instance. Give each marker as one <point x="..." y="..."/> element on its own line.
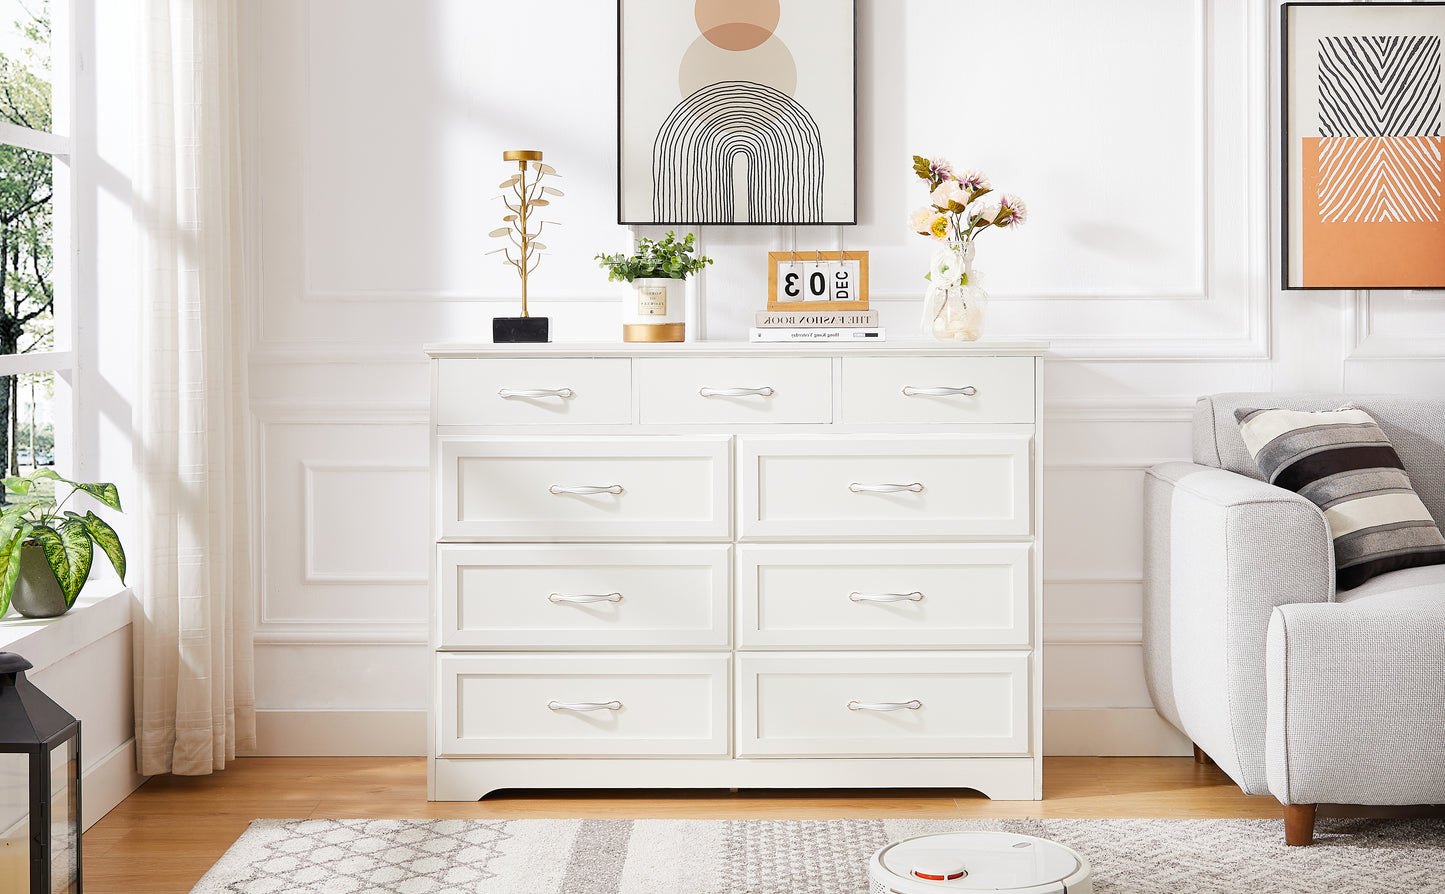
<point x="46" y="553"/>
<point x="657" y="270"/>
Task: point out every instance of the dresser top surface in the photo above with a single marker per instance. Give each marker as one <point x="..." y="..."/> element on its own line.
<point x="901" y="347"/>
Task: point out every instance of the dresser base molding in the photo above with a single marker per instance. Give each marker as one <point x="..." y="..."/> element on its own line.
<point x="999" y="778"/>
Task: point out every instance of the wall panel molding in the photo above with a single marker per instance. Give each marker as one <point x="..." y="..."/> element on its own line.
<point x="1233" y="323"/>
<point x="341" y="632"/>
<point x="1094" y="631"/>
<point x="1222" y="314"/>
<point x="323" y="412"/>
<point x="313" y="573"/>
<point x="1134" y="408"/>
<point x="1369" y="343"/>
<point x="275" y="626"/>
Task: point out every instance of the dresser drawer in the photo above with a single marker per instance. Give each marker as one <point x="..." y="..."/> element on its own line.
<point x="557" y="489"/>
<point x="886" y="487"/>
<point x="581" y="705"/>
<point x="880" y="596"/>
<point x="549" y="597"/>
<point x="689" y="390"/>
<point x="882" y="703"/>
<point x="938" y="389"/>
<point x="534" y="392"/>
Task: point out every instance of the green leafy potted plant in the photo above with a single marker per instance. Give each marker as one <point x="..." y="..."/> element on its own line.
<point x="46" y="553"/>
<point x="656" y="270"/>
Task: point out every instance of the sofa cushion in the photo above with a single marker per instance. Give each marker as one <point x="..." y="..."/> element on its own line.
<point x="1342" y="462"/>
<point x="1415" y="426"/>
<point x="1414" y="592"/>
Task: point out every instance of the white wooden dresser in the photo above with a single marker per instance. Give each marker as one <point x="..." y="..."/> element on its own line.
<point x="736" y="565"/>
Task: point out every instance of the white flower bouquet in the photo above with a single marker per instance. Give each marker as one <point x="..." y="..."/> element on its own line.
<point x="961" y="206"/>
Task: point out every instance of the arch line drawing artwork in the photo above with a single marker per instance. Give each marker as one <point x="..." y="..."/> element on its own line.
<point x="695" y="158"/>
<point x="737" y="112"/>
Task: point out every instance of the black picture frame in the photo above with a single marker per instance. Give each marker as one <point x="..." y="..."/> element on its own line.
<point x="623" y="219"/>
<point x="1288" y="173"/>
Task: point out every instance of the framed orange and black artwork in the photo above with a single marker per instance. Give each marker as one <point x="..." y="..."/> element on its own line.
<point x="1362" y="146"/>
<point x="736" y="112"/>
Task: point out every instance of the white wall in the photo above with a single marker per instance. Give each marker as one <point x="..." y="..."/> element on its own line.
<point x="1142" y="133"/>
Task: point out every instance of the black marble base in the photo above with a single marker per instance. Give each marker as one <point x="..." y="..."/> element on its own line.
<point x="511" y="330"/>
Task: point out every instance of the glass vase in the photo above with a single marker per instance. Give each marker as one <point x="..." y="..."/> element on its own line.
<point x="954" y="304"/>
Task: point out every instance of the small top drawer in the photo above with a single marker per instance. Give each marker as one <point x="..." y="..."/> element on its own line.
<point x="938" y="389"/>
<point x="700" y="390"/>
<point x="571" y="391"/>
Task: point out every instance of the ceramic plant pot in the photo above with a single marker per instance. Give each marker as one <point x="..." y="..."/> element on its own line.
<point x="37" y="592"/>
<point x="657" y="311"/>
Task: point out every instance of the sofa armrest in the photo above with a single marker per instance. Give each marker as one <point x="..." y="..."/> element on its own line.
<point x="1221" y="551"/>
<point x="1357" y="700"/>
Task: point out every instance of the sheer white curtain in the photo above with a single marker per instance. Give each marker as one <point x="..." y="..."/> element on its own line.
<point x="194" y="687"/>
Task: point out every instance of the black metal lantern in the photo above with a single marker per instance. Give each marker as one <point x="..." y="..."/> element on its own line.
<point x="40" y="743"/>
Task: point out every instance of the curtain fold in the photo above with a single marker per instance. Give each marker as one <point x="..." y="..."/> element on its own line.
<point x="194" y="672"/>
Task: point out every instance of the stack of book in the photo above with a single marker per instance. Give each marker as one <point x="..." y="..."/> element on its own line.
<point x="817" y="325"/>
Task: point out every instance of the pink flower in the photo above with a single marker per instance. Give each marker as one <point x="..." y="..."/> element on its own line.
<point x="1013" y="212"/>
<point x="973" y="179"/>
<point x="940" y="169"/>
<point x="918" y="221"/>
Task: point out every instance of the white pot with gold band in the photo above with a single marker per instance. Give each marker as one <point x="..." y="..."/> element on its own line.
<point x="656" y="310"/>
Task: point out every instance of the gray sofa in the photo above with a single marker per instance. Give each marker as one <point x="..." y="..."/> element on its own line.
<point x="1292" y="689"/>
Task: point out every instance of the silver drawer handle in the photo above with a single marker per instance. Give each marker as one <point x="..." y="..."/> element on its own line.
<point x="563" y="393"/>
<point x="586" y="489"/>
<point x="915" y="596"/>
<point x="916" y="487"/>
<point x="764" y="391"/>
<point x="913" y="705"/>
<point x="613" y="705"/>
<point x="584" y="598"/>
<point x="966" y="390"/>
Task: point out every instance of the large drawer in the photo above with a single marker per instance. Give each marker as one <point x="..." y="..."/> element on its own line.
<point x="550" y="597"/>
<point x="923" y="487"/>
<point x="884" y="596"/>
<point x="731" y="390"/>
<point x="938" y="389"/>
<point x="557" y="489"/>
<point x="882" y="703"/>
<point x="581" y="705"/>
<point x="534" y="392"/>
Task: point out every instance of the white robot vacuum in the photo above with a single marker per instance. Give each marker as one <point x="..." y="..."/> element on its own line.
<point x="978" y="861"/>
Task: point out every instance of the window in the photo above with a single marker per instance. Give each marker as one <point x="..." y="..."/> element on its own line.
<point x="37" y="362"/>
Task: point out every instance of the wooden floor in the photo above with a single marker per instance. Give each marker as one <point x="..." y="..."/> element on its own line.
<point x="165" y="836"/>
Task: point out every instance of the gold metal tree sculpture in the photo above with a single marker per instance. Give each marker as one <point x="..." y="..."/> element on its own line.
<point x="523" y="229"/>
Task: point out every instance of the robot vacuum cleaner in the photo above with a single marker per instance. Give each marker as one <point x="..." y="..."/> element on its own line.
<point x="978" y="861"/>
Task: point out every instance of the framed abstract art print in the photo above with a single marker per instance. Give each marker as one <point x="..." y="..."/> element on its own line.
<point x="736" y="112"/>
<point x="1362" y="146"/>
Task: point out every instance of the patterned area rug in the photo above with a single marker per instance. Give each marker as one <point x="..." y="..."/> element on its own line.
<point x="798" y="856"/>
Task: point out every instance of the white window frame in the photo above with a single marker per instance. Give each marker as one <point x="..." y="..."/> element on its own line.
<point x="59" y="145"/>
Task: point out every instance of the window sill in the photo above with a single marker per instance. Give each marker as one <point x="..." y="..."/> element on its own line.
<point x="103" y="608"/>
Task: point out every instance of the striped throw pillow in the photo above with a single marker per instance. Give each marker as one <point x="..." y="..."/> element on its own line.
<point x="1341" y="461"/>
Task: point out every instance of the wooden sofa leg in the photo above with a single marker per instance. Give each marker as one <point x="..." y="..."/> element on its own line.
<point x="1299" y="824"/>
<point x="1200" y="757"/>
